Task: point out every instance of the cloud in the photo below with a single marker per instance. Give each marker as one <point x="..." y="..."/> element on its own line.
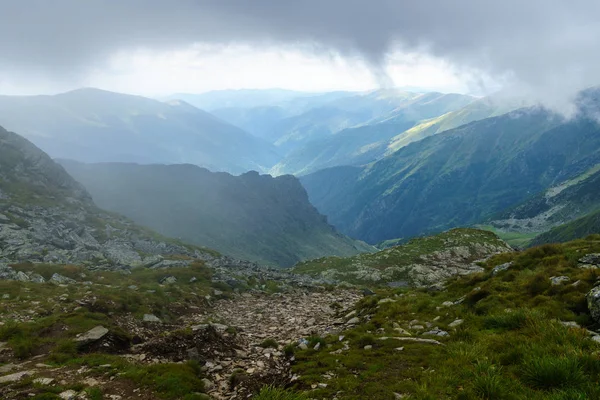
<point x="544" y="46"/>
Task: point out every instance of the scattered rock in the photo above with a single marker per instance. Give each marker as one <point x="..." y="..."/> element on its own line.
<point x="168" y="280"/>
<point x="353" y="321"/>
<point x="43" y="381"/>
<point x="436" y="332"/>
<point x="593" y="301"/>
<point x="16" y="377"/>
<point x="559" y="280"/>
<point x="151" y="318"/>
<point x="502" y="267"/>
<point x="68" y="395"/>
<point x="61" y="280"/>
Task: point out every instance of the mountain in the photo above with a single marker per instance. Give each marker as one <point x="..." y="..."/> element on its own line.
<point x="576" y="229"/>
<point x="48" y="217"/>
<point x="371" y="138"/>
<point x="420" y="262"/>
<point x="557" y="205"/>
<point x="250" y="216"/>
<point x="459" y="177"/>
<point x="92" y="125"/>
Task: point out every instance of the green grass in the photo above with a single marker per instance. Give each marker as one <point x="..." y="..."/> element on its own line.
<point x="518" y="240"/>
<point x="396" y="259"/>
<point x="510" y="346"/>
<point x="273" y="393"/>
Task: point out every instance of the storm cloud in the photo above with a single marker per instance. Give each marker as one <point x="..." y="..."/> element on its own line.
<point x="550" y="46"/>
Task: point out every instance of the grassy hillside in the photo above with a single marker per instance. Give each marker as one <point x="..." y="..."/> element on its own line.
<point x="510" y="334"/>
<point x="421" y="261"/>
<point x="459" y="177"/>
<point x="578" y="228"/>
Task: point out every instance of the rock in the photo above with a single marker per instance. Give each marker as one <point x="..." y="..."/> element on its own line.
<point x="593" y="301"/>
<point x="570" y="324"/>
<point x="217" y="292"/>
<point x="368" y="347"/>
<point x="436" y="332"/>
<point x="22" y="277"/>
<point x="6" y="296"/>
<point x="68" y="395"/>
<point x="303" y="346"/>
<point x="353" y="321"/>
<point x="61" y="280"/>
<point x="386" y="300"/>
<point x="590" y="261"/>
<point x="193" y="279"/>
<point x="208" y="385"/>
<point x="317" y="346"/>
<point x="447" y="304"/>
<point x="596" y="338"/>
<point x="43" y="381"/>
<point x="16" y="377"/>
<point x="501" y="267"/>
<point x="92" y="335"/>
<point x="168" y="280"/>
<point x="456" y="323"/>
<point x="36" y="278"/>
<point x="559" y="280"/>
<point x="367" y="292"/>
<point x="413" y="339"/>
<point x="151" y="318"/>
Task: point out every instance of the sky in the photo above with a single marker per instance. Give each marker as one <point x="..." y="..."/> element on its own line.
<point x="544" y="48"/>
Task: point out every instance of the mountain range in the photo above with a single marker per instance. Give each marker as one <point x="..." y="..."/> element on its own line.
<point x="251" y="216"/>
<point x="92" y="125"/>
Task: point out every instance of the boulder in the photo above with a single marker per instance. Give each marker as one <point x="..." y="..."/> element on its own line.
<point x="91" y="336"/>
<point x="502" y="267"/>
<point x="151" y="318"/>
<point x="61" y="280"/>
<point x="593" y="302"/>
<point x="168" y="280"/>
<point x="559" y="280"/>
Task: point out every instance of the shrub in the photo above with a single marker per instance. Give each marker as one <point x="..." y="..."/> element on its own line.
<point x="273" y="393"/>
<point x="506" y="321"/>
<point x="548" y="372"/>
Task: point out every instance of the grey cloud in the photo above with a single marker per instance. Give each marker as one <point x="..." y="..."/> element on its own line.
<point x="548" y="44"/>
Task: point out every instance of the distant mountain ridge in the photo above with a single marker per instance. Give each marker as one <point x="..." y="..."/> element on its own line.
<point x="251" y="216"/>
<point x="93" y="125"/>
<point x="458" y="177"/>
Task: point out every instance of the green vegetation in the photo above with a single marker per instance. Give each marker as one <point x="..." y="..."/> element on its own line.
<point x="269" y="343"/>
<point x="273" y="393"/>
<point x="511" y="343"/>
<point x="579" y="228"/>
<point x="394" y="264"/>
<point x="518" y="240"/>
<point x="460" y="177"/>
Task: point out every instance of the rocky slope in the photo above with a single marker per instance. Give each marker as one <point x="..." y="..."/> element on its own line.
<point x="421" y="262"/>
<point x="92" y="125"/>
<point x="251" y="216"/>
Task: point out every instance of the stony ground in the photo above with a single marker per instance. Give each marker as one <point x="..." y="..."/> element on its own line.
<point x="279" y="318"/>
<point x="239" y="340"/>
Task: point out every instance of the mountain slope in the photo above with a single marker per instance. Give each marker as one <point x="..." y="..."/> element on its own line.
<point x="48" y="217"/>
<point x="249" y="216"/>
<point x="420" y="262"/>
<point x="576" y="229"/>
<point x="367" y="136"/>
<point x="457" y="177"/>
<point x="94" y="125"/>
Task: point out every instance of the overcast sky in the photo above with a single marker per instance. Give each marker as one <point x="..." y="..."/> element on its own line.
<point x="154" y="47"/>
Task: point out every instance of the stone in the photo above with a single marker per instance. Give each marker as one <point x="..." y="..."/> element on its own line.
<point x="367" y="292"/>
<point x="593" y="302"/>
<point x="353" y="321"/>
<point x="91" y="336"/>
<point x="570" y="324"/>
<point x="43" y="381"/>
<point x="502" y="267"/>
<point x="151" y="318"/>
<point x="590" y="261"/>
<point x="217" y="292"/>
<point x="386" y="300"/>
<point x="436" y="332"/>
<point x="208" y="385"/>
<point x="317" y="346"/>
<point x="6" y="296"/>
<point x="368" y="347"/>
<point x="596" y="338"/>
<point x="168" y="280"/>
<point x="447" y="304"/>
<point x="61" y="280"/>
<point x="456" y="323"/>
<point x="16" y="377"/>
<point x="68" y="395"/>
<point x="559" y="280"/>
